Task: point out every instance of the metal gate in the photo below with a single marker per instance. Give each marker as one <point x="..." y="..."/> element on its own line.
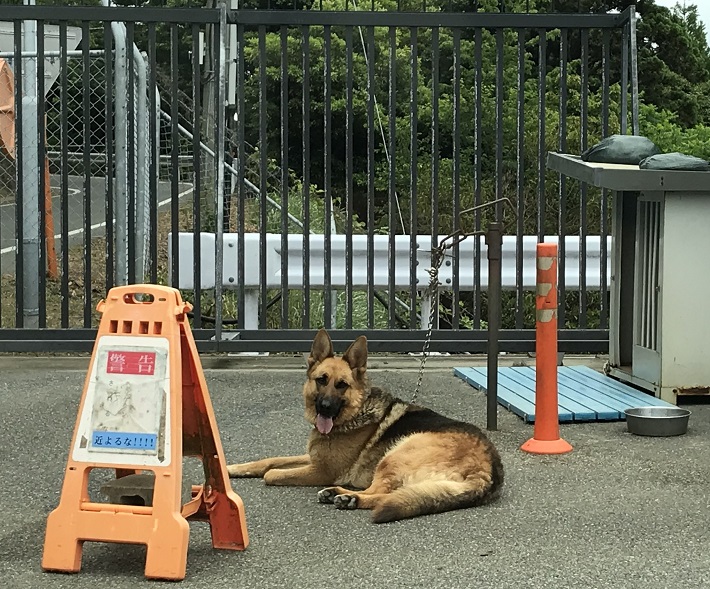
<point x="352" y="141"/>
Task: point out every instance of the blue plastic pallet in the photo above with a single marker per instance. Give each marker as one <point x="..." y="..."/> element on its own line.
<point x="583" y="393"/>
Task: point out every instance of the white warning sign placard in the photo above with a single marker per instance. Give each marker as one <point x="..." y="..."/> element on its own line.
<point x="126" y="415"/>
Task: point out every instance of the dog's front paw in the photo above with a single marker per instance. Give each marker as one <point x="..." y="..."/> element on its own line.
<point x="326" y="495"/>
<point x="345" y="501"/>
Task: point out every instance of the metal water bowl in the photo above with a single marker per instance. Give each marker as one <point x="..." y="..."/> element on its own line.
<point x="657" y="421"/>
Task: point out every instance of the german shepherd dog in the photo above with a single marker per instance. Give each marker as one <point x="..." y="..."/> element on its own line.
<point x="409" y="460"/>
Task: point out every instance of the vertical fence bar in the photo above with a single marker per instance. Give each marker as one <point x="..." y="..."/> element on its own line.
<point x="64" y="164"/>
<point x="19" y="180"/>
<point x="263" y="185"/>
<point x="132" y="163"/>
<point x="435" y="158"/>
<point x="196" y="178"/>
<point x="477" y="174"/>
<point x="328" y="196"/>
<point x="499" y="124"/>
<point x="86" y="119"/>
<point x="154" y="165"/>
<point x="284" y="178"/>
<point x="241" y="174"/>
<point x="520" y="209"/>
<point x="604" y="309"/>
<point x="583" y="118"/>
<point x="109" y="149"/>
<point x="624" y="78"/>
<point x="45" y="214"/>
<point x="456" y="172"/>
<point x="413" y="150"/>
<point x="562" y="182"/>
<point x="370" y="177"/>
<point x="349" y="177"/>
<point x="175" y="158"/>
<point x="634" y="72"/>
<point x="306" y="146"/>
<point x="392" y="181"/>
<point x="541" y="89"/>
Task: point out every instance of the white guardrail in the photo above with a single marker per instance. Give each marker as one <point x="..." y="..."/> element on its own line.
<point x="466" y="274"/>
<point x="402" y="281"/>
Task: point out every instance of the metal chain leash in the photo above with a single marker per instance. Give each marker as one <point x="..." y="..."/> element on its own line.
<point x="437" y="257"/>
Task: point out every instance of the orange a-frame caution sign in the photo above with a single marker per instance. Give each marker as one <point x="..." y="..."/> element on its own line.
<point x="145" y="405"/>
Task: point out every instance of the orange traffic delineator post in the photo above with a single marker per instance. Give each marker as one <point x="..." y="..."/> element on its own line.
<point x="145" y="405"/>
<point x="546" y="432"/>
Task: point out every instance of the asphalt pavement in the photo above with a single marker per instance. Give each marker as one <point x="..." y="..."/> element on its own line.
<point x="619" y="511"/>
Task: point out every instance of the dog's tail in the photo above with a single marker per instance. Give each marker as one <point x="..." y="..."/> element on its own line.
<point x="438" y="495"/>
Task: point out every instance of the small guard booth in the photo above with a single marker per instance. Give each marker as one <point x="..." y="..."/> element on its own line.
<point x="659" y="324"/>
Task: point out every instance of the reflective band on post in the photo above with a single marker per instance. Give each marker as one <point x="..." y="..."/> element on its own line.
<point x="545" y="262"/>
<point x="545" y="315"/>
<point x="543" y="288"/>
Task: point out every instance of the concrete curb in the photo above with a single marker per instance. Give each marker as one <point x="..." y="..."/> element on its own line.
<point x="297" y="362"/>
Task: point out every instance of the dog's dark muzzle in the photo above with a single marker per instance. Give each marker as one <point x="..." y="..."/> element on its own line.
<point x="328" y="406"/>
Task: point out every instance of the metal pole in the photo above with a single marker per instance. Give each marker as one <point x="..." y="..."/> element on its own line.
<point x="121" y="155"/>
<point x="30" y="174"/>
<point x="221" y="78"/>
<point x="494" y="241"/>
<point x="142" y="140"/>
<point x="121" y="152"/>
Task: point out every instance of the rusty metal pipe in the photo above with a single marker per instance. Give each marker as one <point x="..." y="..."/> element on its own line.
<point x="494" y="241"/>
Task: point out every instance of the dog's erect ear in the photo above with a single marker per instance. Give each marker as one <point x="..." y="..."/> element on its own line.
<point x="356" y="354"/>
<point x="321" y="349"/>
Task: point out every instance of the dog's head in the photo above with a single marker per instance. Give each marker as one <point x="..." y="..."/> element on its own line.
<point x="336" y="387"/>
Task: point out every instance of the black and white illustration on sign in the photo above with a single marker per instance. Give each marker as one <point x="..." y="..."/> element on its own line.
<point x="128" y="402"/>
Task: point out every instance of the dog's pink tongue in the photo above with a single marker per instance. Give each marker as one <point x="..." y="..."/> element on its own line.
<point x="324" y="424"/>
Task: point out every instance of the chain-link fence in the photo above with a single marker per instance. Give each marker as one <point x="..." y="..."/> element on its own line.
<point x="88" y="182"/>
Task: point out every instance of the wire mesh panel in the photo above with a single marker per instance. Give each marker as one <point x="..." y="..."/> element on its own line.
<point x="78" y="138"/>
<point x="103" y="145"/>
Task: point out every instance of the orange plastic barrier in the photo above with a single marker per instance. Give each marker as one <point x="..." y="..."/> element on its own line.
<point x="546" y="433"/>
<point x="7" y="109"/>
<point x="145" y="405"/>
<point x="7" y="144"/>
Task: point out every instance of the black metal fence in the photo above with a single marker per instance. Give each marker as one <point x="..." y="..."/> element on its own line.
<point x="368" y="131"/>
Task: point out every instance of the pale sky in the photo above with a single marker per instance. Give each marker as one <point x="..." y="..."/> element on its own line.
<point x="703" y="10"/>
